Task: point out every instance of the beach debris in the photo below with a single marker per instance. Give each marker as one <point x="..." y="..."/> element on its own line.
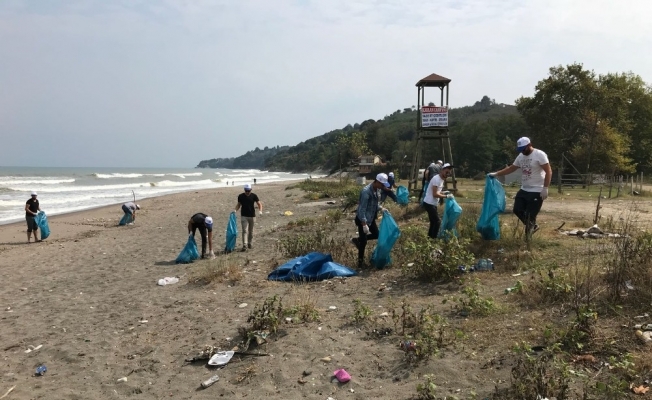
<point x="332" y="308"/>
<point x="11" y="389"/>
<point x="221" y="358"/>
<point x="242" y="305"/>
<point x="123" y="379"/>
<point x="168" y="280"/>
<point x="32" y="348"/>
<point x="41" y="370"/>
<point x="342" y="376"/>
<point x="301" y="381"/>
<point x="644" y="336"/>
<point x="326" y="359"/>
<point x="208" y="382"/>
<point x="205" y="354"/>
<point x="288" y="213"/>
<point x="306" y="372"/>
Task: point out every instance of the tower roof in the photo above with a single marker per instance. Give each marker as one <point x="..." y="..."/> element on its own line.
<point x="434" y="80"/>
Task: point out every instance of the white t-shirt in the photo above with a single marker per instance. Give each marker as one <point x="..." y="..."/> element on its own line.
<point x="532" y="175"/>
<point x="435" y="182"/>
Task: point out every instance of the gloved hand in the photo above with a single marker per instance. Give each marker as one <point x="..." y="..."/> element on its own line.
<point x="450" y="196"/>
<point x="383" y="209"/>
<point x="544" y="193"/>
<point x="260" y="213"/>
<point x="492" y="174"/>
<point x="365" y="229"/>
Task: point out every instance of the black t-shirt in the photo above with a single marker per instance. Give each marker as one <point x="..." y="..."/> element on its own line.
<point x="33" y="207"/>
<point x="247" y="204"/>
<point x="199" y="220"/>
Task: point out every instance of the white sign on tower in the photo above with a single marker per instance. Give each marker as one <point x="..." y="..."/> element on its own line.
<point x="434" y="117"/>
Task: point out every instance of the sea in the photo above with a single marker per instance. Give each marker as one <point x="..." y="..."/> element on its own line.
<point x="64" y="190"/>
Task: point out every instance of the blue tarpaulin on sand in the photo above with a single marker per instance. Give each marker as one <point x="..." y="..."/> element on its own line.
<point x="388" y="234"/>
<point x="452" y="212"/>
<point x="189" y="252"/>
<point x="492" y="205"/>
<point x="402" y="195"/>
<point x="311" y="267"/>
<point x="42" y="222"/>
<point x="231" y="233"/>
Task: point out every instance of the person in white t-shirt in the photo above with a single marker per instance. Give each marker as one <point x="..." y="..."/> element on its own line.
<point x="433" y="195"/>
<point x="535" y="180"/>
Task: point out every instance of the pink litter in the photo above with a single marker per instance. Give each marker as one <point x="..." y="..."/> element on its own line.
<point x="342" y="376"/>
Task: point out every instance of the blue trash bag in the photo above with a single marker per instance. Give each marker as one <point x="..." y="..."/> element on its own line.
<point x="425" y="190"/>
<point x="189" y="252"/>
<point x="402" y="195"/>
<point x="452" y="212"/>
<point x="126" y="219"/>
<point x="388" y="234"/>
<point x="231" y="233"/>
<point x="42" y="222"/>
<point x="492" y="205"/>
<point x="311" y="267"/>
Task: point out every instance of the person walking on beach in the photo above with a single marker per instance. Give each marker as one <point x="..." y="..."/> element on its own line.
<point x="204" y="224"/>
<point x="32" y="208"/>
<point x="246" y="201"/>
<point x="433" y="195"/>
<point x="536" y="174"/>
<point x="131" y="208"/>
<point x="365" y="217"/>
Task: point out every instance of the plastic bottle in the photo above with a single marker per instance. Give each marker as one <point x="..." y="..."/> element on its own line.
<point x="484" y="264"/>
<point x="210" y="381"/>
<point x="41" y="370"/>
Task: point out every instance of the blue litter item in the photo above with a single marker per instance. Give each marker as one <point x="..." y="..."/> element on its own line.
<point x="311" y="267"/>
<point x="492" y="205"/>
<point x="388" y="234"/>
<point x="402" y="195"/>
<point x="452" y="212"/>
<point x="231" y="233"/>
<point x="425" y="190"/>
<point x="42" y="222"/>
<point x="189" y="252"/>
<point x="126" y="219"/>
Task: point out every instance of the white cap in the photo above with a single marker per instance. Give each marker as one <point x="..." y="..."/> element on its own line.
<point x="247" y="187"/>
<point x="440" y="162"/>
<point x="208" y="221"/>
<point x="447" y="165"/>
<point x="382" y="178"/>
<point x="391" y="174"/>
<point x="34" y="193"/>
<point x="522" y="143"/>
<point x="137" y="207"/>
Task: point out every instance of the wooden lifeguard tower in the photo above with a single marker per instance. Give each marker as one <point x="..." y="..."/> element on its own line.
<point x="432" y="125"/>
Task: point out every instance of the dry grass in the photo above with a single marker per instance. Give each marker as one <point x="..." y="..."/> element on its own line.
<point x="220" y="270"/>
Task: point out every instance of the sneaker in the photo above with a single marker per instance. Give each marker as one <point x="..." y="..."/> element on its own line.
<point x="249" y="246"/>
<point x="535" y="228"/>
<point x="360" y="263"/>
<point x="355" y="241"/>
<point x="244" y="248"/>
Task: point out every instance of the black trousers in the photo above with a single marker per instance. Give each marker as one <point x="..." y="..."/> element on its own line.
<point x="363" y="238"/>
<point x="526" y="207"/>
<point x="433" y="217"/>
<point x="204" y="236"/>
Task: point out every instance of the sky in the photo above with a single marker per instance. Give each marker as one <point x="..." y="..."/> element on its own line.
<point x="134" y="83"/>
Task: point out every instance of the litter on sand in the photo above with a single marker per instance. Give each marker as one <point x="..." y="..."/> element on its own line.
<point x="342" y="376"/>
<point x="221" y="358"/>
<point x="168" y="280"/>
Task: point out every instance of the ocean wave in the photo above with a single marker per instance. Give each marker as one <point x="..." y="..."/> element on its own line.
<point x="6" y="190"/>
<point x="173" y="183"/>
<point x="116" y="175"/>
<point x="190" y="174"/>
<point x="35" y="181"/>
<point x="64" y="189"/>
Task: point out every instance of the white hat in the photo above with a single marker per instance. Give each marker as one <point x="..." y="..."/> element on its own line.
<point x="391" y="174"/>
<point x="137" y="207"/>
<point x="440" y="162"/>
<point x="208" y="221"/>
<point x="447" y="165"/>
<point x="382" y="178"/>
<point x="34" y="193"/>
<point x="522" y="143"/>
<point x="247" y="187"/>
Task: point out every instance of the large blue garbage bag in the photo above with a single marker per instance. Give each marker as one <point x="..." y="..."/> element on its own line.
<point x="126" y="219"/>
<point x="388" y="234"/>
<point x="189" y="252"/>
<point x="402" y="195"/>
<point x="231" y="233"/>
<point x="492" y="205"/>
<point x="42" y="222"/>
<point x="425" y="190"/>
<point x="311" y="267"/>
<point x="452" y="212"/>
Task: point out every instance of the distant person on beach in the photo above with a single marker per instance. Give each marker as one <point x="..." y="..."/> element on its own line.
<point x="32" y="208"/>
<point x="203" y="223"/>
<point x="131" y="208"/>
<point x="365" y="217"/>
<point x="254" y="181"/>
<point x="389" y="191"/>
<point x="535" y="180"/>
<point x="246" y="201"/>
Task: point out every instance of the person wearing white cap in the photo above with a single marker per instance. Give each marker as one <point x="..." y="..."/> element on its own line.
<point x="431" y="201"/>
<point x="131" y="208"/>
<point x="365" y="217"/>
<point x="246" y="201"/>
<point x="204" y="224"/>
<point x="389" y="191"/>
<point x="32" y="208"/>
<point x="536" y="174"/>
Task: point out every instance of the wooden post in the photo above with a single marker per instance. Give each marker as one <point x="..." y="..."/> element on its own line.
<point x="641" y="182"/>
<point x="611" y="184"/>
<point x="559" y="174"/>
<point x="597" y="208"/>
<point x="631" y="186"/>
